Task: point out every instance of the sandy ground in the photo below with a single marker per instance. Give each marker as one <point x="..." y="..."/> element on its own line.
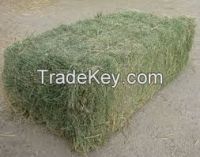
<point x="168" y="126"/>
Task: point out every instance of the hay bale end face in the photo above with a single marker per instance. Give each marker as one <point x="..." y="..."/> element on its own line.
<point x="117" y="43"/>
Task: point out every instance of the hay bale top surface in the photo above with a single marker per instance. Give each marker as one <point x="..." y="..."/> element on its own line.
<point x="104" y="39"/>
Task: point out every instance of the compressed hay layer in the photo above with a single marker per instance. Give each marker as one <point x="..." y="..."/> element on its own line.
<point x="117" y="43"/>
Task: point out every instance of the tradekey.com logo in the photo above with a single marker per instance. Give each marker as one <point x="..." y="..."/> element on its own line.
<point x="95" y="76"/>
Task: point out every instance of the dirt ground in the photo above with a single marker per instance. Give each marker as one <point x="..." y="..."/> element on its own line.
<point x="168" y="126"/>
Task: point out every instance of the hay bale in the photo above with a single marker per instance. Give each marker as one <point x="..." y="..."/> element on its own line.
<point x="116" y="43"/>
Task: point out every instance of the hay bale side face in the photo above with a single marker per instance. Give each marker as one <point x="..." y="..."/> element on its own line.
<point x="117" y="43"/>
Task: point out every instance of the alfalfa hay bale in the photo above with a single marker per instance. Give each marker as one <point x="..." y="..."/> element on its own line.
<point x="116" y="43"/>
